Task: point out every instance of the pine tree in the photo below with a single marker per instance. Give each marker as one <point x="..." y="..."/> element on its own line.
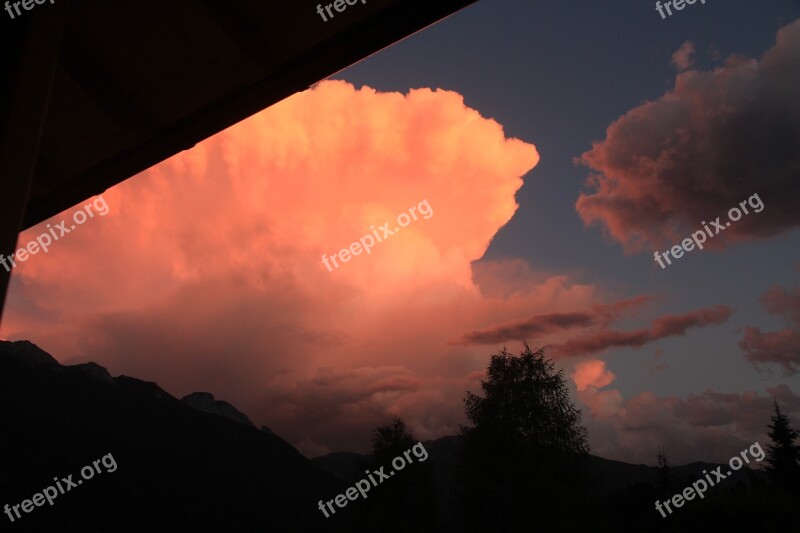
<point x="783" y="455"/>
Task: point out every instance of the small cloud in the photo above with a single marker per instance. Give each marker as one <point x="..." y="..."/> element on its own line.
<point x="776" y="347"/>
<point x="782" y="302"/>
<point x="682" y="59"/>
<point x="592" y="373"/>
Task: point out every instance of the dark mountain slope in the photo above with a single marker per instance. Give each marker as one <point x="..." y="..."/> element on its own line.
<point x="178" y="468"/>
<point x="205" y="401"/>
<point x="608" y="475"/>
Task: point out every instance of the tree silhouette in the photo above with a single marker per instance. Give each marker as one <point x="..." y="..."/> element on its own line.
<point x="527" y="401"/>
<point x="406" y="502"/>
<point x="783" y="455"/>
<point x="391" y="440"/>
<point x="663" y="474"/>
<point x="526" y="447"/>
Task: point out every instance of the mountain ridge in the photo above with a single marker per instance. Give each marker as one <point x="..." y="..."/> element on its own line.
<point x="178" y="466"/>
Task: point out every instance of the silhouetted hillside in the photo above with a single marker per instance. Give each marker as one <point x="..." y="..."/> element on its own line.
<point x="178" y="468"/>
<point x="198" y="464"/>
<point x="206" y="402"/>
<point x="609" y="476"/>
<point x="613" y="482"/>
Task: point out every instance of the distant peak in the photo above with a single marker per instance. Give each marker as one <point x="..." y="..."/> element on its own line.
<point x="205" y="401"/>
<point x="94" y="370"/>
<point x="27" y="352"/>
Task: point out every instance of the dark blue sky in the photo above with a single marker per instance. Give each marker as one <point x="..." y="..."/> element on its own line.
<point x="557" y="74"/>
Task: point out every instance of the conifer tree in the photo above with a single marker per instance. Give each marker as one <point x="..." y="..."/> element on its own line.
<point x="783" y="455"/>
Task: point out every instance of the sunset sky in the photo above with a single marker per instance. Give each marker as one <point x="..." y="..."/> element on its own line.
<point x="558" y="147"/>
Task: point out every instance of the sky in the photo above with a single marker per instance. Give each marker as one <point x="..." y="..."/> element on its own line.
<point x="542" y="153"/>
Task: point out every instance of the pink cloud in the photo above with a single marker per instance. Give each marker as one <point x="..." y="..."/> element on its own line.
<point x="715" y="140"/>
<point x="662" y="327"/>
<point x="206" y="274"/>
<point x="669" y="325"/>
<point x="780" y="347"/>
<point x="682" y="58"/>
<point x="776" y="347"/>
<point x="541" y="325"/>
<point x="710" y="426"/>
<point x="592" y="373"/>
<point x="596" y="342"/>
<point x="780" y="301"/>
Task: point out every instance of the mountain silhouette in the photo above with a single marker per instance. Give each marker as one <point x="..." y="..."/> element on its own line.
<point x="195" y="464"/>
<point x="206" y="402"/>
<point x="611" y="480"/>
<point x="199" y="464"/>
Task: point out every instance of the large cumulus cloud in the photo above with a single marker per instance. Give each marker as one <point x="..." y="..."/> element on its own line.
<point x="206" y="274"/>
<point x="700" y="149"/>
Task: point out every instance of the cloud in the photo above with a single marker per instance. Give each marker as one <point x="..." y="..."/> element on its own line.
<point x="682" y="58"/>
<point x="710" y="426"/>
<point x="206" y="274"/>
<point x="602" y="340"/>
<point x="506" y="277"/>
<point x="665" y="326"/>
<point x="715" y="140"/>
<point x="779" y="347"/>
<point x="670" y="325"/>
<point x="531" y="328"/>
<point x="595" y="320"/>
<point x="776" y="347"/>
<point x="779" y="301"/>
<point x="541" y="325"/>
<point x="592" y="373"/>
